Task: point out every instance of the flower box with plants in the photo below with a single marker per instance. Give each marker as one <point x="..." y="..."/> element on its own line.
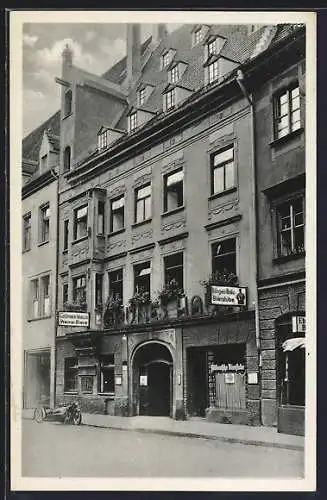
<point x="113" y="310"/>
<point x="170" y="292"/>
<point x="75" y="306"/>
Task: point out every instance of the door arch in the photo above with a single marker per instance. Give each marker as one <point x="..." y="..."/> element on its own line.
<point x="152" y="379"/>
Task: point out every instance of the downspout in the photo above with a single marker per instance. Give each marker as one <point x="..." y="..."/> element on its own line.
<point x="254" y="225"/>
<point x="56" y="176"/>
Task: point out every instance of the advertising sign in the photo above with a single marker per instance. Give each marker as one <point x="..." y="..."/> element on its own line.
<point x="298" y="324"/>
<point x="228" y="296"/>
<point x="66" y="318"/>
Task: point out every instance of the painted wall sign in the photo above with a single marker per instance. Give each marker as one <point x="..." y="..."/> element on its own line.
<point x="228" y="296"/>
<point x="230" y="378"/>
<point x="298" y="324"/>
<point x="73" y="318"/>
<point x="143" y="380"/>
<point x="238" y="367"/>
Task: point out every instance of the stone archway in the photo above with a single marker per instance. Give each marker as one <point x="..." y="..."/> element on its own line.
<point x="152" y="379"/>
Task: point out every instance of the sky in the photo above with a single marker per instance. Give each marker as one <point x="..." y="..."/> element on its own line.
<point x="96" y="48"/>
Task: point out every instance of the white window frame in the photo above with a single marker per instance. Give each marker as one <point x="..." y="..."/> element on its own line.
<point x="174" y="74"/>
<point x="132" y="121"/>
<point x="170" y="99"/>
<point x="44" y="214"/>
<point x="291" y="101"/>
<point x="213" y="71"/>
<point x="141" y="96"/>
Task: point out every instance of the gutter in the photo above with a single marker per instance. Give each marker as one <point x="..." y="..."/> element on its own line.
<point x="253" y="224"/>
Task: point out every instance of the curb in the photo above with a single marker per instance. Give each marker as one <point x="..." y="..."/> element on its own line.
<point x="233" y="440"/>
<point x="251" y="442"/>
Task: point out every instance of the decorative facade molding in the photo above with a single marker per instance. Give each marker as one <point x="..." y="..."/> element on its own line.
<point x="173" y="225"/>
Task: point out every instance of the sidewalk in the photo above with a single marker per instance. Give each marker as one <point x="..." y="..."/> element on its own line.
<point x="194" y="428"/>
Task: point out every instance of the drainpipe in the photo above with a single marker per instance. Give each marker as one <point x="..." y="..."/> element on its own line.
<point x="56" y="176"/>
<point x="254" y="224"/>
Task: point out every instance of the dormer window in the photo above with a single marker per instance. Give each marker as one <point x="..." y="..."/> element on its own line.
<point x="170" y="98"/>
<point x="141" y="97"/>
<point x="212" y="47"/>
<point x="213" y="72"/>
<point x="197" y="36"/>
<point x="133" y="121"/>
<point x="106" y="136"/>
<point x="103" y="140"/>
<point x="165" y="59"/>
<point x="174" y="74"/>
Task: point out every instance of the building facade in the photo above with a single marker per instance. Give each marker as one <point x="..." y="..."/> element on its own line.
<point x="39" y="247"/>
<point x="165" y="274"/>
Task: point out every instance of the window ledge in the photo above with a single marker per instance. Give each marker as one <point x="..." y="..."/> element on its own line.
<point x="286" y="138"/>
<point x="286" y="258"/>
<point x="66" y="116"/>
<point x="173" y="211"/>
<point x="39" y="318"/>
<point x="26" y="250"/>
<point x="109" y="395"/>
<point x="101" y="235"/>
<point x="65" y="252"/>
<point x="222" y="193"/>
<point x="146" y="221"/>
<point x="70" y="392"/>
<point x="118" y="231"/>
<point x="80" y="239"/>
<point x="41" y="243"/>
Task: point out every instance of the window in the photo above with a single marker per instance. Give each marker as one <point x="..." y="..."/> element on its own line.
<point x="170" y="98"/>
<point x="165" y="59"/>
<point x="68" y="102"/>
<point x="26" y="232"/>
<point x="107" y="374"/>
<point x="40" y="297"/>
<point x="67" y="156"/>
<point x="290" y="221"/>
<point x="66" y="235"/>
<point x="80" y="223"/>
<point x="213" y="73"/>
<point x="70" y="375"/>
<point x="222" y="170"/>
<point x="197" y="36"/>
<point x="173" y="265"/>
<point x="143" y="203"/>
<point x="142" y="273"/>
<point x="45" y="295"/>
<point x="35" y="298"/>
<point x="44" y="163"/>
<point x="141" y="97"/>
<point x="98" y="289"/>
<point x="133" y="122"/>
<point x="65" y="293"/>
<point x="224" y="256"/>
<point x="174" y="74"/>
<point x="212" y="47"/>
<point x="87" y="384"/>
<point x="173" y="190"/>
<point x="287" y="112"/>
<point x="100" y="227"/>
<point x="44" y="223"/>
<point x="116" y="284"/>
<point x="79" y="289"/>
<point x="103" y="140"/>
<point x="117" y="210"/>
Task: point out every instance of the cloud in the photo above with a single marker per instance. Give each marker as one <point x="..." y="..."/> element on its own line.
<point x="30" y="40"/>
<point x="89" y="36"/>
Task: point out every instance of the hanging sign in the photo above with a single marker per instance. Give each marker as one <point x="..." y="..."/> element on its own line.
<point x="237" y="367"/>
<point x="66" y="318"/>
<point x="143" y="380"/>
<point x="228" y="296"/>
<point x="298" y="324"/>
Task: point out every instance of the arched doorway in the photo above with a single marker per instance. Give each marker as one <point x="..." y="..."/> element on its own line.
<point x="152" y="380"/>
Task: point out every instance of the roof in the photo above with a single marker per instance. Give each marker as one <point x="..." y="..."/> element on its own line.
<point x="239" y="47"/>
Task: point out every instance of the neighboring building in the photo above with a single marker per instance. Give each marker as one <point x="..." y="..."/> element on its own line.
<point x="280" y="157"/>
<point x="39" y="246"/>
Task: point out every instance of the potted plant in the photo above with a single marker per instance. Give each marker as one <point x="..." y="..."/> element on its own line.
<point x="170" y="293"/>
<point x="139" y="305"/>
<point x="113" y="311"/>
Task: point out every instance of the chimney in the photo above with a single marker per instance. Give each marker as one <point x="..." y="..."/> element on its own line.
<point x="133" y="51"/>
<point x="67" y="59"/>
<point x="159" y="32"/>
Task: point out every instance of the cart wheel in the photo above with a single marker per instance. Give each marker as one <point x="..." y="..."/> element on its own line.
<point x="77" y="418"/>
<point x="39" y="415"/>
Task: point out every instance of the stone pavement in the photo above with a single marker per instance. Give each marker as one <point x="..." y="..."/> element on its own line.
<point x="194" y="428"/>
